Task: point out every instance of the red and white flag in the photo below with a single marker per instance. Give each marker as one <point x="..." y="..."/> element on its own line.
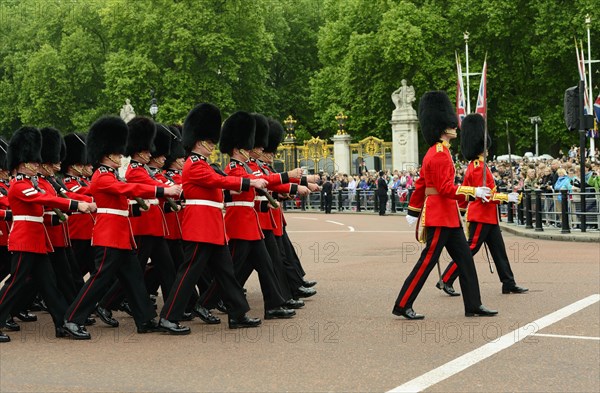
<point x="460" y="92"/>
<point x="482" y="95"/>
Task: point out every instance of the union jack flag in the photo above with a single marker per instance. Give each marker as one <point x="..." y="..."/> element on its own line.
<point x="460" y="93"/>
<point x="482" y="95"/>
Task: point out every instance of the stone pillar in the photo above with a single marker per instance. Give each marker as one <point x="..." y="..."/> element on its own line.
<point x="341" y="152"/>
<point x="405" y="140"/>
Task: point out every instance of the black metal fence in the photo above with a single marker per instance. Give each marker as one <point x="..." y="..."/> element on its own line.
<point x="537" y="210"/>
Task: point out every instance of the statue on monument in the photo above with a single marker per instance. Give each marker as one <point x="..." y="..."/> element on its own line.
<point x="127" y="111"/>
<point x="404" y="96"/>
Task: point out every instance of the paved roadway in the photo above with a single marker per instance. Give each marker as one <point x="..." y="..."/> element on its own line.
<point x="346" y="338"/>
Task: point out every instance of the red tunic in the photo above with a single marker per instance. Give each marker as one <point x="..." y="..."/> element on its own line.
<point x="438" y="207"/>
<point x="80" y="224"/>
<point x="4" y="205"/>
<point x="58" y="232"/>
<point x="112" y="228"/>
<point x="27" y="203"/>
<point x="172" y="218"/>
<point x="151" y="222"/>
<point x="478" y="210"/>
<point x="241" y="220"/>
<point x="203" y="190"/>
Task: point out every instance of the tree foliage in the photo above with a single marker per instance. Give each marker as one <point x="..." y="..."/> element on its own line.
<point x="64" y="63"/>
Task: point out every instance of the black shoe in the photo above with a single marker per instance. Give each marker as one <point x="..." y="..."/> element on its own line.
<point x="205" y="315"/>
<point x="279" y="312"/>
<point x="150" y="326"/>
<point x="26" y="316"/>
<point x="221" y="307"/>
<point x="11" y="325"/>
<point x="308" y="283"/>
<point x="124" y="306"/>
<point x="243" y="322"/>
<point x="407" y="313"/>
<point x="482" y="311"/>
<point x="106" y="317"/>
<point x="305" y="292"/>
<point x="294" y="304"/>
<point x="4" y="338"/>
<point x="76" y="331"/>
<point x="89" y="321"/>
<point x="61" y="333"/>
<point x="174" y="327"/>
<point x="447" y="288"/>
<point x="38" y="305"/>
<point x="515" y="289"/>
<point x="187" y="316"/>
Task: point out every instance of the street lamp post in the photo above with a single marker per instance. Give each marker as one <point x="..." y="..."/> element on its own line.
<point x="341" y="119"/>
<point x="535" y="120"/>
<point x="153" y="105"/>
<point x="290" y="126"/>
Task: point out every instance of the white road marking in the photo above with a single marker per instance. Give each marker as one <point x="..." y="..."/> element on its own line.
<point x="302" y="218"/>
<point x="477" y="355"/>
<point x="334" y="222"/>
<point x="564" y="336"/>
<point x="351" y="230"/>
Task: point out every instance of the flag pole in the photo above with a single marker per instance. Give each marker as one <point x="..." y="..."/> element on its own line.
<point x="485" y="132"/>
<point x="588" y="22"/>
<point x="466" y="37"/>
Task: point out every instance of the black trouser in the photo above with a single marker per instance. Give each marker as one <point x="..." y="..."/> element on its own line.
<point x="38" y="267"/>
<point x="456" y="244"/>
<point x="64" y="276"/>
<point x="74" y="267"/>
<point x="111" y="262"/>
<point x="84" y="255"/>
<point x="327" y="199"/>
<point x="382" y="203"/>
<point x="4" y="263"/>
<point x="492" y="236"/>
<point x="294" y="278"/>
<point x="291" y="255"/>
<point x="249" y="255"/>
<point x="197" y="257"/>
<point x="176" y="250"/>
<point x="273" y="250"/>
<point x="148" y="247"/>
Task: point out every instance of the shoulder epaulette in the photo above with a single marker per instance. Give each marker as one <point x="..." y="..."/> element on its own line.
<point x="476" y="163"/>
<point x="232" y="164"/>
<point x="102" y="170"/>
<point x="439" y="147"/>
<point x="194" y="158"/>
<point x="134" y="164"/>
<point x="19" y="177"/>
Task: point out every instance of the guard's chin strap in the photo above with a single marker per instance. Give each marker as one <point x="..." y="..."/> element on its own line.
<point x="48" y="169"/>
<point x="245" y="154"/>
<point x="110" y="157"/>
<point x="206" y="146"/>
<point x="78" y="169"/>
<point x="451" y="132"/>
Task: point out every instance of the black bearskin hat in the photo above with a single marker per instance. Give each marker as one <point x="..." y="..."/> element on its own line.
<point x="75" y="144"/>
<point x="472" y="132"/>
<point x="276" y="135"/>
<point x="261" y="136"/>
<point x="3" y="148"/>
<point x="237" y="132"/>
<point x="51" y="145"/>
<point x="24" y="146"/>
<point x="436" y="114"/>
<point x="201" y="124"/>
<point x="162" y="142"/>
<point x="142" y="131"/>
<point x="177" y="150"/>
<point x="107" y="135"/>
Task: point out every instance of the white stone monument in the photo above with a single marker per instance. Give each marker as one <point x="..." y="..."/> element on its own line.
<point x="127" y="111"/>
<point x="341" y="152"/>
<point x="405" y="141"/>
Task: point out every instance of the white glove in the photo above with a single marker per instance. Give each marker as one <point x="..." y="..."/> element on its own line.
<point x="513" y="197"/>
<point x="411" y="220"/>
<point x="483" y="192"/>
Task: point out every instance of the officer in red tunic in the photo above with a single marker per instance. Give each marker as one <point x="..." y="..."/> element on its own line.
<point x="482" y="217"/>
<point x="246" y="243"/>
<point x="112" y="237"/>
<point x="6" y="214"/>
<point x="28" y="241"/>
<point x="149" y="227"/>
<point x="203" y="230"/>
<point x="435" y="200"/>
<point x="80" y="225"/>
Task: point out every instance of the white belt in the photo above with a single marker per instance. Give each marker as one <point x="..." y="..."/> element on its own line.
<point x="247" y="204"/>
<point x="50" y="213"/>
<point x="117" y="212"/>
<point x="203" y="202"/>
<point x="152" y="201"/>
<point x="260" y="198"/>
<point x="29" y="218"/>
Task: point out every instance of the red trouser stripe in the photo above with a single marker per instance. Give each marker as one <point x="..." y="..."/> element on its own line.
<point x="14" y="277"/>
<point x="476" y="235"/>
<point x="450" y="272"/>
<point x="181" y="282"/>
<point x="423" y="267"/>
<point x="89" y="286"/>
